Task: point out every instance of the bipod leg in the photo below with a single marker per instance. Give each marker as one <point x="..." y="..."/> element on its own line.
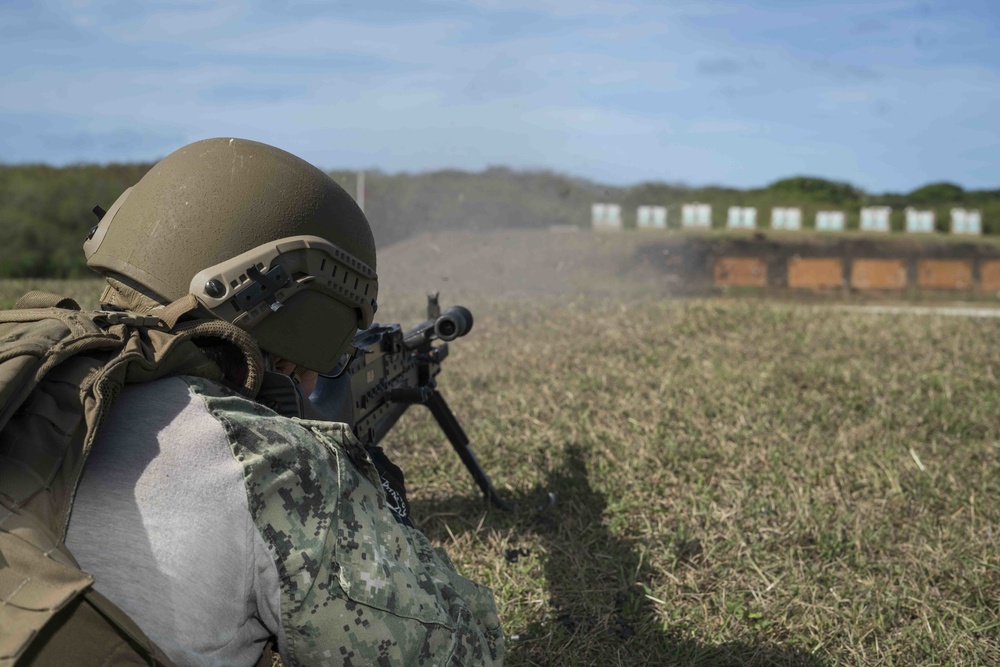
<point x="456" y="436"/>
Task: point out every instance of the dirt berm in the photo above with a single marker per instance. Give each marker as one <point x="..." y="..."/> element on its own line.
<point x="594" y="265"/>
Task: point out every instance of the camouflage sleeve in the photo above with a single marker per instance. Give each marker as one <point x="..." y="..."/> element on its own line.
<point x="357" y="587"/>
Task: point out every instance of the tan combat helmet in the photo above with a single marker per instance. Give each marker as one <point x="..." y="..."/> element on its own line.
<point x="260" y="237"/>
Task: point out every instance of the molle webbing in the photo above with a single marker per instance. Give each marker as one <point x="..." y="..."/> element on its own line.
<point x="60" y="372"/>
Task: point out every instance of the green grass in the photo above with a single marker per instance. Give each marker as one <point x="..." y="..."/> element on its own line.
<point x="736" y="483"/>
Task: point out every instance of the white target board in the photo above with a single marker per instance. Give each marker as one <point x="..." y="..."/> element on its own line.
<point x="875" y="218"/>
<point x="965" y="221"/>
<point x="741" y="217"/>
<point x="786" y="218"/>
<point x="919" y="222"/>
<point x="606" y="217"/>
<point x="830" y="221"/>
<point x="651" y="217"/>
<point x="696" y="215"/>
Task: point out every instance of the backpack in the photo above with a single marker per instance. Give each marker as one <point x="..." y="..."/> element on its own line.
<point x="60" y="371"/>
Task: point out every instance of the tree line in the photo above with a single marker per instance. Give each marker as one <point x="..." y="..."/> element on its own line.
<point x="46" y="212"/>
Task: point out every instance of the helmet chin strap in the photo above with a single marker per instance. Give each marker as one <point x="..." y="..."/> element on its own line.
<point x="173" y="312"/>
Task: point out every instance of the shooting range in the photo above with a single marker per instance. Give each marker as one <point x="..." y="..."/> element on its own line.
<point x="741" y="217"/>
<point x="606" y="217"/>
<point x="815" y="273"/>
<point x="707" y="294"/>
<point x="696" y="216"/>
<point x="989" y="277"/>
<point x="919" y="222"/>
<point x="878" y="274"/>
<point x="965" y="221"/>
<point x="830" y="221"/>
<point x="786" y="218"/>
<point x="944" y="274"/>
<point x="875" y="218"/>
<point x="651" y="217"/>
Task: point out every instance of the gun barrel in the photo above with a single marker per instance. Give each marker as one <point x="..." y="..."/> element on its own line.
<point x="449" y="325"/>
<point x="454" y="322"/>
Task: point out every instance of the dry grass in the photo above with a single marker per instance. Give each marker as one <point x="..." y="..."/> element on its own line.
<point x="738" y="483"/>
<point x="85" y="291"/>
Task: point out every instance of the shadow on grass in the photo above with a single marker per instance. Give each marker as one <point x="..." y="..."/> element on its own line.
<point x="598" y="609"/>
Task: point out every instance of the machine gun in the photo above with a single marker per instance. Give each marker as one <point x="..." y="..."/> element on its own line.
<point x="393" y="370"/>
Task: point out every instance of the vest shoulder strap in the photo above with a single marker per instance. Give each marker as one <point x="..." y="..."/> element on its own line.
<point x="60" y="371"/>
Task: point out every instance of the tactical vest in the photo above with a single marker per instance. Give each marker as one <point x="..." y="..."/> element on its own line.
<point x="60" y="371"/>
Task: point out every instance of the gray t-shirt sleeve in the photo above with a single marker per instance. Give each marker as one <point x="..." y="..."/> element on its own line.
<point x="161" y="520"/>
<point x="267" y="593"/>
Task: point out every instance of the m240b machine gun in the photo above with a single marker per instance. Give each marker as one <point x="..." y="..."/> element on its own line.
<point x="393" y="370"/>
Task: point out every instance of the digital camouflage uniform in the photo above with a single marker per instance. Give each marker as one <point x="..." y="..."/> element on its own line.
<point x="357" y="588"/>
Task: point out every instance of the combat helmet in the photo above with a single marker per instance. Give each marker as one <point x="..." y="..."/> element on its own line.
<point x="257" y="236"/>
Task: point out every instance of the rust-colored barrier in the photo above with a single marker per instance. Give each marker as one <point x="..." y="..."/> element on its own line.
<point x="885" y="274"/>
<point x="740" y="272"/>
<point x="865" y="274"/>
<point x="815" y="273"/>
<point x="944" y="274"/>
<point x="989" y="276"/>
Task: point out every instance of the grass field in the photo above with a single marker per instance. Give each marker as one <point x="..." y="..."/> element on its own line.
<point x="735" y="483"/>
<point x="86" y="292"/>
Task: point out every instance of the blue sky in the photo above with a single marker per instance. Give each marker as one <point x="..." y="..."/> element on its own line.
<point x="888" y="95"/>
